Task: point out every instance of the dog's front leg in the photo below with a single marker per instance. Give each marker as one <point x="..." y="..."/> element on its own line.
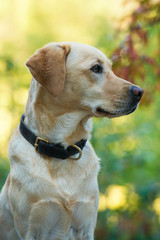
<point x="7" y="228"/>
<point x="84" y="220"/>
<point x="48" y="220"/>
<point x="81" y="234"/>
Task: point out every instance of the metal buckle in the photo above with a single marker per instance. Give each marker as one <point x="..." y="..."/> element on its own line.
<point x="36" y="143"/>
<point x="80" y="152"/>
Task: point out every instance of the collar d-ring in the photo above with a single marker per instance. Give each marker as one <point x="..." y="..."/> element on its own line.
<point x="80" y="153"/>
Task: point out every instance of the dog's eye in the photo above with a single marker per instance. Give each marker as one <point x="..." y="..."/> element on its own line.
<point x="97" y="69"/>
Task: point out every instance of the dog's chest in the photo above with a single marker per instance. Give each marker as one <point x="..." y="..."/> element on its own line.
<point x="69" y="212"/>
<point x="78" y="201"/>
<point x="81" y="201"/>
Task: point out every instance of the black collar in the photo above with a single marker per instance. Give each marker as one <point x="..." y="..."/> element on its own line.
<point x="49" y="149"/>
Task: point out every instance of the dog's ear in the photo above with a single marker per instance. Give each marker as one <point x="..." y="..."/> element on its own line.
<point x="47" y="66"/>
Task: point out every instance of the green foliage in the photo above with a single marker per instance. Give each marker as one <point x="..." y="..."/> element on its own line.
<point x="4" y="166"/>
<point x="129" y="151"/>
<point x="129" y="179"/>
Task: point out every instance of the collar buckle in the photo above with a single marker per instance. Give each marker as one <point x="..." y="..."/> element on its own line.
<point x="36" y="143"/>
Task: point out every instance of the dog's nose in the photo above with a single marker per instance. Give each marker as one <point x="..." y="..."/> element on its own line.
<point x="137" y="92"/>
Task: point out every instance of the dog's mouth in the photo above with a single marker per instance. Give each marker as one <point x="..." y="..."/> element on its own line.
<point x="104" y="113"/>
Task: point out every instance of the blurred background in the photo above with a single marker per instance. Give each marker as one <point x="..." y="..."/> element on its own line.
<point x="127" y="31"/>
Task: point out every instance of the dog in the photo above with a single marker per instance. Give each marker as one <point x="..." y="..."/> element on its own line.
<point x="51" y="192"/>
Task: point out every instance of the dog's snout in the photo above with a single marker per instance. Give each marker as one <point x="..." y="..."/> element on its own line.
<point x="137" y="92"/>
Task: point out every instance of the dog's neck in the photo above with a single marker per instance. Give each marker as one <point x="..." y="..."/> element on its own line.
<point x="44" y="119"/>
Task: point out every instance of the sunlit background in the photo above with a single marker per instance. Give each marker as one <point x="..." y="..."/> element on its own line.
<point x="129" y="147"/>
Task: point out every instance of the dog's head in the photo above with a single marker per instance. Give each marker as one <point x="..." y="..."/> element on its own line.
<point x="81" y="77"/>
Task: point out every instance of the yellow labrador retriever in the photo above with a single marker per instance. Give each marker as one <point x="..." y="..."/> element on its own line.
<point x="52" y="192"/>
